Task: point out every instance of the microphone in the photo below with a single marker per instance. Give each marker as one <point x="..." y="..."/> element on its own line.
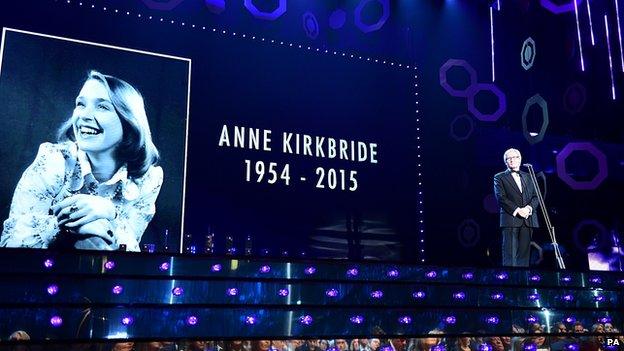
<point x="528" y="165"/>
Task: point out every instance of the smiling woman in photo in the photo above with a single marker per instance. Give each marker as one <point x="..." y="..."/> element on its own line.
<point x="97" y="186"/>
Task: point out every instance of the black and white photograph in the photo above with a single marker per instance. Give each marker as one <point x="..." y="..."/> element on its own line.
<point x="93" y="144"/>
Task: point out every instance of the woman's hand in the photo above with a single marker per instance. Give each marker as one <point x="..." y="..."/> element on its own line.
<point x="81" y="209"/>
<point x="100" y="228"/>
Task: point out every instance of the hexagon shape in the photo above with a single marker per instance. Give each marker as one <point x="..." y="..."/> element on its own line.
<point x="269" y="16"/>
<point x="310" y="25"/>
<point x="557" y="9"/>
<point x="466" y="135"/>
<point x="535" y="99"/>
<point x="468" y="233"/>
<point x="215" y="6"/>
<point x="162" y="5"/>
<point x="367" y="28"/>
<point x="603" y="235"/>
<point x="527" y="55"/>
<point x="601" y="173"/>
<point x="492" y="88"/>
<point x="472" y="74"/>
<point x="574" y="98"/>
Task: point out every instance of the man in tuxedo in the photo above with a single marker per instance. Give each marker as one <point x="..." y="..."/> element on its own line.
<point x="517" y="201"/>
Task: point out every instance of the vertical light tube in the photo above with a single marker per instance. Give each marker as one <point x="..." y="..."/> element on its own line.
<point x="591" y="26"/>
<point x="492" y="41"/>
<point x="578" y="32"/>
<point x="610" y="60"/>
<point x="617" y="16"/>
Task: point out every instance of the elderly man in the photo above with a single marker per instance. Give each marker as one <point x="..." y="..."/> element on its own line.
<point x="517" y="201"/>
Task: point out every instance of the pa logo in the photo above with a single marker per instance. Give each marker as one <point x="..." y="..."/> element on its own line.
<point x="613" y="343"/>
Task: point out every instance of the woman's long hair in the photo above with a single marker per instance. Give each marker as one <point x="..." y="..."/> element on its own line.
<point x="136" y="149"/>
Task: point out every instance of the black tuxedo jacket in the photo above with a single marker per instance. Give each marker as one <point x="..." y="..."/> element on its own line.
<point x="509" y="198"/>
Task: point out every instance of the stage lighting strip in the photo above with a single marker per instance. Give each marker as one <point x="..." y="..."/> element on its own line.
<point x="610" y="59"/>
<point x="420" y="196"/>
<point x="591" y="26"/>
<point x="578" y="32"/>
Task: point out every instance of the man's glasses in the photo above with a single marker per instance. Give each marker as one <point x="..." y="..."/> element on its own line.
<point x="512" y="158"/>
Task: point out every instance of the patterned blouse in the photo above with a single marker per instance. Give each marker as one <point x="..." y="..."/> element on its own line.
<point x="62" y="170"/>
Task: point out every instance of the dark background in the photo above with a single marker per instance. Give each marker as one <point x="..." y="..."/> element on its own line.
<point x="457" y="173"/>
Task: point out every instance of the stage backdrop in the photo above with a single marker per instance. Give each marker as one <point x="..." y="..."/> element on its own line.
<point x="288" y="149"/>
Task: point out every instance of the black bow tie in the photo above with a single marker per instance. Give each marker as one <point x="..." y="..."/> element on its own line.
<point x="517" y="172"/>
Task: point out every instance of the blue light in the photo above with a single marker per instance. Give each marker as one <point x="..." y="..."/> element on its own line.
<point x="405" y="319"/>
<point x="250" y="320"/>
<point x="306" y="320"/>
<point x="502" y="276"/>
<point x="265" y="269"/>
<point x="568" y="297"/>
<point x="282" y="292"/>
<point x="163" y="266"/>
<point x="450" y="320"/>
<point x="331" y="292"/>
<point x="393" y="273"/>
<point x="534" y="297"/>
<point x="605" y="319"/>
<point x="231" y="291"/>
<point x="431" y="274"/>
<point x="352" y="272"/>
<point x="535" y="278"/>
<point x="572" y="347"/>
<point x="216" y="267"/>
<point x="52" y="289"/>
<point x="438" y="348"/>
<point x="532" y="319"/>
<point x="177" y="291"/>
<point x="599" y="298"/>
<point x="595" y="280"/>
<point x="127" y="320"/>
<point x="570" y="320"/>
<point x="419" y="295"/>
<point x="460" y="295"/>
<point x="492" y="320"/>
<point x="566" y="279"/>
<point x="309" y="270"/>
<point x="530" y="347"/>
<point x="468" y="276"/>
<point x="485" y="347"/>
<point x="48" y="263"/>
<point x="377" y="294"/>
<point x="357" y="319"/>
<point x="498" y="296"/>
<point x="192" y="320"/>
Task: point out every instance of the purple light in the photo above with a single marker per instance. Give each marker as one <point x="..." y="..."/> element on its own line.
<point x="566" y="279"/>
<point x="571" y="347"/>
<point x="498" y="296"/>
<point x="377" y="294"/>
<point x="216" y="267"/>
<point x="331" y="292"/>
<point x="605" y="319"/>
<point x="250" y="320"/>
<point x="282" y="292"/>
<point x="357" y="319"/>
<point x="621" y="281"/>
<point x="419" y="295"/>
<point x="485" y="347"/>
<point x="431" y="274"/>
<point x="534" y="297"/>
<point x="231" y="291"/>
<point x="578" y="32"/>
<point x="109" y="265"/>
<point x="163" y="266"/>
<point x="450" y="320"/>
<point x="468" y="276"/>
<point x="570" y="320"/>
<point x="535" y="278"/>
<point x="502" y="276"/>
<point x="177" y="291"/>
<point x="127" y="320"/>
<point x="386" y="348"/>
<point x="56" y="321"/>
<point x="309" y="270"/>
<point x="595" y="280"/>
<point x="438" y="348"/>
<point x="610" y="60"/>
<point x="532" y="319"/>
<point x="591" y="26"/>
<point x="393" y="273"/>
<point x="531" y="346"/>
<point x="352" y="272"/>
<point x="492" y="41"/>
<point x="306" y="320"/>
<point x="48" y="263"/>
<point x="192" y="320"/>
<point x="568" y="297"/>
<point x="492" y="320"/>
<point x="405" y="319"/>
<point x="117" y="289"/>
<point x="52" y="289"/>
<point x="599" y="298"/>
<point x="460" y="295"/>
<point x="265" y="269"/>
<point x="334" y="348"/>
<point x="617" y="16"/>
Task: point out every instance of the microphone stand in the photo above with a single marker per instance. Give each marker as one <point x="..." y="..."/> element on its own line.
<point x="549" y="227"/>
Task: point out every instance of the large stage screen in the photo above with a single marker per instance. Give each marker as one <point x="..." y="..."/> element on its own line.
<point x="158" y="136"/>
